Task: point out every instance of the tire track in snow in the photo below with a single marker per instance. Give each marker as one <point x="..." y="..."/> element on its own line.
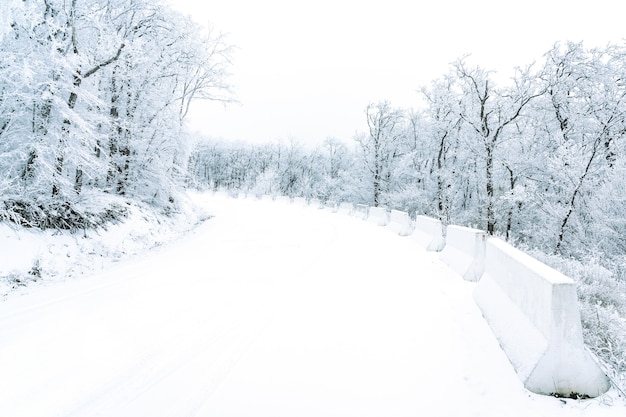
<point x="159" y="371"/>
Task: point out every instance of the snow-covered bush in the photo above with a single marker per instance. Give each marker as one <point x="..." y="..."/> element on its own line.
<point x="53" y="214"/>
<point x="602" y="296"/>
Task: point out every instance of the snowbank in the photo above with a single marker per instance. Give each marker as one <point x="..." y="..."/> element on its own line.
<point x="428" y="233"/>
<point x="33" y="256"/>
<point x="464" y="252"/>
<point x="533" y="311"/>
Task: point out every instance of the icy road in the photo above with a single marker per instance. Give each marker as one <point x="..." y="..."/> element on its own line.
<point x="267" y="310"/>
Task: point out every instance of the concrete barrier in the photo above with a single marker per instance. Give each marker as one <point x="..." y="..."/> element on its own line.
<point x="378" y="215"/>
<point x="400" y="222"/>
<point x="533" y="311"/>
<point x="360" y="211"/>
<point x="428" y="233"/>
<point x="345" y="208"/>
<point x="332" y="206"/>
<point x="464" y="252"/>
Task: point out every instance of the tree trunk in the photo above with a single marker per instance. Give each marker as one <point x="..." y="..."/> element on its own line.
<point x="376" y="186"/>
<point x="29" y="169"/>
<point x="509" y="217"/>
<point x="491" y="215"/>
<point x="442" y="203"/>
<point x="78" y="180"/>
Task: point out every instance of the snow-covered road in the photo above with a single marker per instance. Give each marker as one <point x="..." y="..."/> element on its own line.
<point x="268" y="309"/>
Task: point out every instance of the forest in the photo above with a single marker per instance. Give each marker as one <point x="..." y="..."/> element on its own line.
<point x="94" y="94"/>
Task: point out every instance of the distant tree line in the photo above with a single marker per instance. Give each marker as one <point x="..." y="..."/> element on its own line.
<point x="540" y="161"/>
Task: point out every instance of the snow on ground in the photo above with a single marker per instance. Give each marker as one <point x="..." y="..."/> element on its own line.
<point x="31" y="257"/>
<point x="267" y="309"/>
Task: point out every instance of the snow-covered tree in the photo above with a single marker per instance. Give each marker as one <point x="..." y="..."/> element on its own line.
<point x="488" y="112"/>
<point x="443" y="120"/>
<point x="93" y="95"/>
<point x="381" y="147"/>
<point x="586" y="102"/>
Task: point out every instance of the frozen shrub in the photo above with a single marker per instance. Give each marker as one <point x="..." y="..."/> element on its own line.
<point x="602" y="296"/>
<point x="60" y="215"/>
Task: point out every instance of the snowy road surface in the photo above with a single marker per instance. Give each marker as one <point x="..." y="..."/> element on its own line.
<point x="268" y="309"/>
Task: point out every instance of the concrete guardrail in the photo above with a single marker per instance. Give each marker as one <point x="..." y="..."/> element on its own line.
<point x="332" y="206"/>
<point x="400" y="222"/>
<point x="345" y="208"/>
<point x="533" y="311"/>
<point x="378" y="215"/>
<point x="464" y="251"/>
<point x="360" y="211"/>
<point x="428" y="233"/>
<point x="316" y="203"/>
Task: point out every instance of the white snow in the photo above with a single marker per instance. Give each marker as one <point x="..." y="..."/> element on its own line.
<point x="267" y="309"/>
<point x="61" y="255"/>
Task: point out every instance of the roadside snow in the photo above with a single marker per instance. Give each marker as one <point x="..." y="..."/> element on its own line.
<point x="30" y="257"/>
<point x="267" y="309"/>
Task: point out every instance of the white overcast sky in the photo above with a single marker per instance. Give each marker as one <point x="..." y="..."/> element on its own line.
<point x="307" y="69"/>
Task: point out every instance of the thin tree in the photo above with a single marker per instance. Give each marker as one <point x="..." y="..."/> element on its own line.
<point x="384" y="142"/>
<point x="488" y="111"/>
